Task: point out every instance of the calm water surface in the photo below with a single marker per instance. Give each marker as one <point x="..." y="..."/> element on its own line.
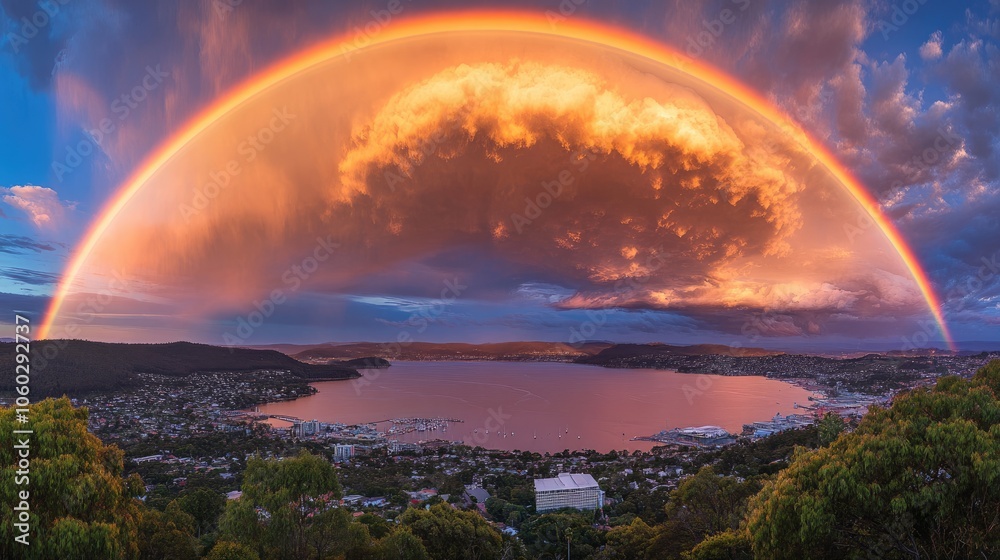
<point x="538" y="402"/>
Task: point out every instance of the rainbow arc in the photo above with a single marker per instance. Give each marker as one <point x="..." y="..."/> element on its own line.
<point x="573" y="28"/>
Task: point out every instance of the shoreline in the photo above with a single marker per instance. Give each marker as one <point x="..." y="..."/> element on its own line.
<point x="542" y="380"/>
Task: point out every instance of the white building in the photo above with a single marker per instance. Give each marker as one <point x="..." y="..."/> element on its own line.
<point x="310" y="428"/>
<point x="305" y="429"/>
<point x="342" y="452"/>
<point x="705" y="435"/>
<point x="578" y="491"/>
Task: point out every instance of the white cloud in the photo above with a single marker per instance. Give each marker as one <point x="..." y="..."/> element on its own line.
<point x="40" y="204"/>
<point x="931" y="50"/>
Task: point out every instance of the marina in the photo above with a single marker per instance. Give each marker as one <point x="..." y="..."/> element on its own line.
<point x="844" y="405"/>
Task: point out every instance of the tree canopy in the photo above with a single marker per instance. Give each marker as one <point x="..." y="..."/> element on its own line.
<point x="916" y="480"/>
<point x="80" y="504"/>
<point x="228" y="550"/>
<point x="450" y="534"/>
<point x="288" y="508"/>
<point x="167" y="535"/>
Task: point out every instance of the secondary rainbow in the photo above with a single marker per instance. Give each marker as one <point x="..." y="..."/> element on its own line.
<point x="574" y="28"/>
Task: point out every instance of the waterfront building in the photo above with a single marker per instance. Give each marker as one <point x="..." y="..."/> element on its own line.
<point x="342" y="452"/>
<point x="703" y="435"/>
<point x="310" y="428"/>
<point x="778" y="424"/>
<point x="568" y="490"/>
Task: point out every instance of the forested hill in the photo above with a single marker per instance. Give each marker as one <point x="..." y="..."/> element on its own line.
<point x="619" y="354"/>
<point x="513" y="351"/>
<point x="86" y="366"/>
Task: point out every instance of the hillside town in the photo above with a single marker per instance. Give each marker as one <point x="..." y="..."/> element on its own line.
<point x="206" y="426"/>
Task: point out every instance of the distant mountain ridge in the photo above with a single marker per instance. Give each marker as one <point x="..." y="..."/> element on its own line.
<point x="88" y="366"/>
<point x="625" y="351"/>
<point x="518" y="351"/>
<point x="595" y="352"/>
<point x="561" y="350"/>
<point x="82" y="366"/>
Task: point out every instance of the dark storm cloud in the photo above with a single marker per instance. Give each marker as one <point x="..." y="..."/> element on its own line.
<point x="18" y="245"/>
<point x="206" y="47"/>
<point x="31" y="305"/>
<point x="921" y="132"/>
<point x="971" y="71"/>
<point x="32" y="277"/>
<point x="36" y="48"/>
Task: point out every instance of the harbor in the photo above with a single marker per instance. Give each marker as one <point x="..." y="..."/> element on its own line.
<point x="377" y="432"/>
<point x="844" y="404"/>
<point x="528" y="406"/>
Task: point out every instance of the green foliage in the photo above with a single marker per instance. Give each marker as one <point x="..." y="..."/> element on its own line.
<point x="80" y="505"/>
<point x="916" y="480"/>
<point x="644" y="504"/>
<point x="765" y="456"/>
<point x="205" y="506"/>
<point x="386" y="480"/>
<point x="167" y="535"/>
<point x="549" y="534"/>
<point x="377" y="526"/>
<point x="830" y="427"/>
<point x="451" y="534"/>
<point x="705" y="504"/>
<point x="288" y="508"/>
<point x="228" y="550"/>
<point x="446" y="484"/>
<point x="401" y="545"/>
<point x="506" y="512"/>
<point x="513" y="488"/>
<point x="630" y="542"/>
<point x="358" y="544"/>
<point x="205" y="445"/>
<point x="730" y="545"/>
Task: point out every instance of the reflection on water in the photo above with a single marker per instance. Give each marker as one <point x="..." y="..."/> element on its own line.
<point x="545" y="406"/>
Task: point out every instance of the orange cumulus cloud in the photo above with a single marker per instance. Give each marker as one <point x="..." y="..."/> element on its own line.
<point x="623" y="181"/>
